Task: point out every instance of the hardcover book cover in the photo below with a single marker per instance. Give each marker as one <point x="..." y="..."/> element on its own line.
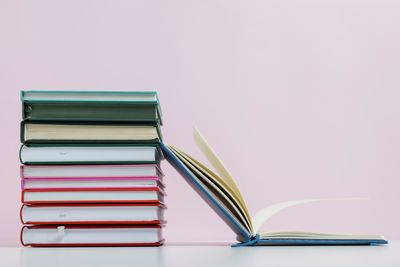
<point x="91" y="235"/>
<point x="91" y="106"/>
<point x="99" y="213"/>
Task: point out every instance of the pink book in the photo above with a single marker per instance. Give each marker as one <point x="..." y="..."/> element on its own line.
<point x="91" y="176"/>
<point x="79" y="171"/>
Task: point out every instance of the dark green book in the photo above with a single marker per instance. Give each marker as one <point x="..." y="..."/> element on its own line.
<point x="91" y="106"/>
<point x="38" y="132"/>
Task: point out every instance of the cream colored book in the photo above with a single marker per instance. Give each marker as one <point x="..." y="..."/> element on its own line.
<point x="219" y="189"/>
<point x="51" y="132"/>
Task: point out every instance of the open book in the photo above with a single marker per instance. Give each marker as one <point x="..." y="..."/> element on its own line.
<point x="223" y="196"/>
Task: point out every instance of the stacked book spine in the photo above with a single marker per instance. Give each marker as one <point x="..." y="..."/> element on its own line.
<point x="90" y="169"/>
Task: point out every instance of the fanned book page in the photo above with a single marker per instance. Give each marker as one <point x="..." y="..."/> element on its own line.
<point x="222" y="193"/>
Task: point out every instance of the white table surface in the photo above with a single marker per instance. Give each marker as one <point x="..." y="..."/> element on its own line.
<point x="192" y="254"/>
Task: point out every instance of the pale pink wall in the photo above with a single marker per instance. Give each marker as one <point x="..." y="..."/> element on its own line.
<point x="300" y="98"/>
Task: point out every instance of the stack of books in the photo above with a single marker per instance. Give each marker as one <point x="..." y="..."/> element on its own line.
<point x="91" y="169"/>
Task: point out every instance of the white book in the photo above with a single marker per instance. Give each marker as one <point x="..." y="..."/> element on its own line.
<point x="88" y="154"/>
<point x="91" y="235"/>
<point x="95" y="214"/>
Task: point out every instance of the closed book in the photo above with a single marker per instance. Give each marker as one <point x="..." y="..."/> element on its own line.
<point x="88" y="171"/>
<point x="89" y="154"/>
<point x="91" y="106"/>
<point x="89" y="96"/>
<point x="92" y="182"/>
<point x="73" y="132"/>
<point x="149" y="213"/>
<point x="93" y="195"/>
<point x="91" y="235"/>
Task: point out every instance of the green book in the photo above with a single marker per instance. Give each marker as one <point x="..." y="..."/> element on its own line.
<point x="38" y="132"/>
<point x="123" y="106"/>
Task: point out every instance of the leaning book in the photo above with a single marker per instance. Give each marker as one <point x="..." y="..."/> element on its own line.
<point x="222" y="194"/>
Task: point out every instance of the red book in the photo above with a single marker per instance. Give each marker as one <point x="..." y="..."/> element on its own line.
<point x="91" y="235"/>
<point x="93" y="195"/>
<point x="63" y="214"/>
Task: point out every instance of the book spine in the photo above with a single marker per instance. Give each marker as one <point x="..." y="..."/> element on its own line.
<point x="20" y="155"/>
<point x="21" y="238"/>
<point x="22" y="95"/>
<point x="22" y="171"/>
<point x="22" y="132"/>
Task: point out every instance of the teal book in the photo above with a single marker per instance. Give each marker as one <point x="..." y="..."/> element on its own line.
<point x="222" y="194"/>
<point x="123" y="106"/>
<point x="68" y="154"/>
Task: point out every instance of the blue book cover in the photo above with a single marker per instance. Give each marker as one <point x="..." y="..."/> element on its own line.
<point x="223" y="196"/>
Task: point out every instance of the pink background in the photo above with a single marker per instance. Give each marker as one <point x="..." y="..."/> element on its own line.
<point x="300" y="98"/>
